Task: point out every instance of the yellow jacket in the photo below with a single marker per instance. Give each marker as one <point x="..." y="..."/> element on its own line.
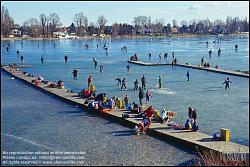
<point x="92" y="88"/>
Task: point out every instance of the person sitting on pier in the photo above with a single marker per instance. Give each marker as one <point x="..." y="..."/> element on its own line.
<point x="40" y="78"/>
<point x="134" y="58"/>
<point x="143" y="126"/>
<point x="92" y="89"/>
<point x="52" y="85"/>
<point x="86" y="102"/>
<point x="192" y="114"/>
<point x="188" y="125"/>
<point x="149" y="112"/>
<point x="135" y="108"/>
<point x="217" y="66"/>
<point x="163" y="116"/>
<point x="85" y="93"/>
<point x="195" y="127"/>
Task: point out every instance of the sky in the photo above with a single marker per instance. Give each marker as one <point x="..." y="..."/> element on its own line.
<point x="125" y="11"/>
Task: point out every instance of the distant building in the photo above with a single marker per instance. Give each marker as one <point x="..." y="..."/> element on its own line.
<point x="174" y="30"/>
<point x="58" y="34"/>
<point x="16" y="33"/>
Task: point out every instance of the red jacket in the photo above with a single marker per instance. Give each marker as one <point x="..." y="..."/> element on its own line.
<point x="149" y="112"/>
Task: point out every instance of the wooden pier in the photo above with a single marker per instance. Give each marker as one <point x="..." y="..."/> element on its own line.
<point x="235" y="73"/>
<point x="185" y="138"/>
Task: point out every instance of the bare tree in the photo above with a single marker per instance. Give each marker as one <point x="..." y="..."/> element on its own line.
<point x="140" y="22"/>
<point x="47" y="32"/>
<point x="159" y="23"/>
<point x="175" y="23"/>
<point x="34" y="27"/>
<point x="6" y="22"/>
<point x="101" y="21"/>
<point x="43" y="20"/>
<point x="54" y="22"/>
<point x="81" y="22"/>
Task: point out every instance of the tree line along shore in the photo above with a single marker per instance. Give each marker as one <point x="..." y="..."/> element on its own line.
<point x="50" y="26"/>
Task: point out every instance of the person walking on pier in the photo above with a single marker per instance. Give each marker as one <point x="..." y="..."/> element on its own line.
<point x="75" y="74"/>
<point x="159" y="57"/>
<point x="141" y="95"/>
<point x="188" y="75"/>
<point x="124" y="84"/>
<point x="166" y="56"/>
<point x="143" y="82"/>
<point x="202" y="61"/>
<point x="42" y="59"/>
<point x="119" y="81"/>
<point x="136" y="84"/>
<point x="173" y="55"/>
<point x="227" y="81"/>
<point x="66" y="59"/>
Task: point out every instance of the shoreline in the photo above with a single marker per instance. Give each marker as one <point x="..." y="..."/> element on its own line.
<point x="129" y="37"/>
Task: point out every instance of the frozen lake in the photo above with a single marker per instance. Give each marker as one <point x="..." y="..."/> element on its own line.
<point x="216" y="107"/>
